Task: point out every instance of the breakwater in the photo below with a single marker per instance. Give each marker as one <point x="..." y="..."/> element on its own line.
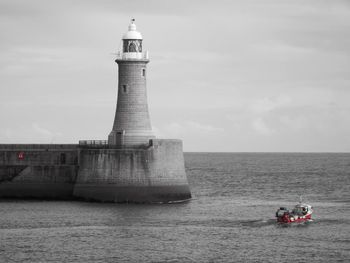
<point x="153" y="173"/>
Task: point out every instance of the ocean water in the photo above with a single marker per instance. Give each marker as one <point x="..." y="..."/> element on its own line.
<point x="230" y="219"/>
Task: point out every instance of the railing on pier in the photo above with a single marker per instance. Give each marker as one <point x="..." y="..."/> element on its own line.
<point x="93" y="143"/>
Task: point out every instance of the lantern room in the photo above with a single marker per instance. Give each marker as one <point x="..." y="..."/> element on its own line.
<point x="132" y="44"/>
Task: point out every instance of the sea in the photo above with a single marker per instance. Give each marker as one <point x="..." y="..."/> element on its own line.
<point x="231" y="217"/>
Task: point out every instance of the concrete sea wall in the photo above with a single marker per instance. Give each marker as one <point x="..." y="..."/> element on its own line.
<point x="56" y="171"/>
<point x="38" y="170"/>
<point x="153" y="174"/>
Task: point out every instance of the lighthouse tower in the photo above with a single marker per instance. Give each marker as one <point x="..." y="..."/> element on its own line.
<point x="132" y="125"/>
<point x="134" y="166"/>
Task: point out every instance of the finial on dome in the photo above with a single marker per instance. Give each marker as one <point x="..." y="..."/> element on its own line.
<point x="132" y="26"/>
<point x="132" y="33"/>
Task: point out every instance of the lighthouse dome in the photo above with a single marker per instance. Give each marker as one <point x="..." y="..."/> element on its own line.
<point x="132" y="33"/>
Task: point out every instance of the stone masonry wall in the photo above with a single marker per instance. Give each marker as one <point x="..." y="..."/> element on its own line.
<point x="140" y="175"/>
<point x="132" y="115"/>
<point x="38" y="170"/>
<point x="132" y="108"/>
<point x="153" y="174"/>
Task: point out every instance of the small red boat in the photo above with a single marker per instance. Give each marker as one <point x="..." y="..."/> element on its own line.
<point x="300" y="213"/>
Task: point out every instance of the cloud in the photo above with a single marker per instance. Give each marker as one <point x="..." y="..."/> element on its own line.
<point x="32" y="133"/>
<point x="7" y="133"/>
<point x="192" y="125"/>
<point x="268" y="104"/>
<point x="187" y="128"/>
<point x="261" y="127"/>
<point x="293" y="123"/>
<point x="44" y="133"/>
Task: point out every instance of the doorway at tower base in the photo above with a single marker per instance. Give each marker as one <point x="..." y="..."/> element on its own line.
<point x="152" y="174"/>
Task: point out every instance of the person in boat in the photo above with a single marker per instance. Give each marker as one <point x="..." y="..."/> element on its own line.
<point x="304" y="211"/>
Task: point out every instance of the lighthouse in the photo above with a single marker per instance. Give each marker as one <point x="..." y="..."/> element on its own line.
<point x="132" y="125"/>
<point x="133" y="166"/>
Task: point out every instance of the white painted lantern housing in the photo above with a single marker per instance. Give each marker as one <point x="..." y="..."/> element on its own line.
<point x="132" y="43"/>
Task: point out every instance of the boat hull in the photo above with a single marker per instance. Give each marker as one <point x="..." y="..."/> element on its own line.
<point x="293" y="219"/>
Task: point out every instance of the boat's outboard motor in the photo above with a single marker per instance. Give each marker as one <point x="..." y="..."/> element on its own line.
<point x="281" y="211"/>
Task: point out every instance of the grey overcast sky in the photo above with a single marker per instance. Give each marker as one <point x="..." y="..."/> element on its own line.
<point x="257" y="76"/>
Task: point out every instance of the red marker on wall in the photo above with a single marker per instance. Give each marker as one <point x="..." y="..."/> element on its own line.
<point x="21" y="155"/>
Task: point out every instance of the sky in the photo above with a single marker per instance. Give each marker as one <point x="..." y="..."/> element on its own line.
<point x="224" y="76"/>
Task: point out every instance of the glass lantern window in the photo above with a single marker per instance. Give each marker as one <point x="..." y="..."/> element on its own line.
<point x="132" y="45"/>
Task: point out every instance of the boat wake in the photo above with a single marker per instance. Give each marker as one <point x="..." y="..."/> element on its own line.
<point x="230" y="223"/>
<point x="296" y="224"/>
<point x="258" y="223"/>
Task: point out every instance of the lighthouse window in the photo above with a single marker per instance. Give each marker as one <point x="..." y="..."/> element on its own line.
<point x="125" y="46"/>
<point x="143" y="72"/>
<point x="132" y="47"/>
<point x="124" y="89"/>
<point x="140" y="45"/>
